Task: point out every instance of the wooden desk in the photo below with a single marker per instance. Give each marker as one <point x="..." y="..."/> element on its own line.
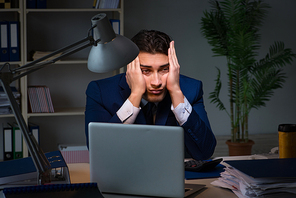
<point x="79" y="173"/>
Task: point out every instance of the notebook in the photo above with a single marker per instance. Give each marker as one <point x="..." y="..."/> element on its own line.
<point x="137" y="159"/>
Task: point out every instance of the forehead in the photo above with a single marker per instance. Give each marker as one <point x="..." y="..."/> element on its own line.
<point x="153" y="60"/>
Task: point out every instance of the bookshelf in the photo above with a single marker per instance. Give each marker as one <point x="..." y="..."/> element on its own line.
<point x="60" y="24"/>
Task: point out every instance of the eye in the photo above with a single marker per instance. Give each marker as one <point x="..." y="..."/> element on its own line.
<point x="164" y="70"/>
<point x="145" y="71"/>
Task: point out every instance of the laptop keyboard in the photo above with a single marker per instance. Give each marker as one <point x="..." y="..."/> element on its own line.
<point x="200" y="165"/>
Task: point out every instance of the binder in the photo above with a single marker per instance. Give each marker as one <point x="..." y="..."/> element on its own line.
<point x="14" y="44"/>
<point x="24" y="170"/>
<point x="4" y="53"/>
<point x="7" y="143"/>
<point x="116" y="25"/>
<point x="17" y="141"/>
<point x="97" y="4"/>
<point x="89" y="190"/>
<point x="31" y="4"/>
<point x="34" y="129"/>
<point x="41" y="4"/>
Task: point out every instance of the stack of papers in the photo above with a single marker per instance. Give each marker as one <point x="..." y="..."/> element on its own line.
<point x="259" y="178"/>
<point x="4" y="102"/>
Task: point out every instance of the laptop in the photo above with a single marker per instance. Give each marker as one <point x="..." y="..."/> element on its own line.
<point x="132" y="159"/>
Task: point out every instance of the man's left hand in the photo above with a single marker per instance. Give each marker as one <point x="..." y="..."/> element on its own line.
<point x="173" y="85"/>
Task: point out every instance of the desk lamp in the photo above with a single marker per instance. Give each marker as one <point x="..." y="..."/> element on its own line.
<point x="109" y="52"/>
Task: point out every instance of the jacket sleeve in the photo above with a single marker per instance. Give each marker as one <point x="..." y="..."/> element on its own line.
<point x="199" y="139"/>
<point x="96" y="110"/>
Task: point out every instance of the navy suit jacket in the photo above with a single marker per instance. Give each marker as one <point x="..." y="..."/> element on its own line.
<point x="106" y="96"/>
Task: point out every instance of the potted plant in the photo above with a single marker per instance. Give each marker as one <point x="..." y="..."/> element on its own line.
<point x="232" y="29"/>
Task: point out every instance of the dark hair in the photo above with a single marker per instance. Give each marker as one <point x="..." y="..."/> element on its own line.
<point x="152" y="41"/>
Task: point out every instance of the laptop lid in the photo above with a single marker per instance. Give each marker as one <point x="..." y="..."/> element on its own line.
<point x="137" y="159"/>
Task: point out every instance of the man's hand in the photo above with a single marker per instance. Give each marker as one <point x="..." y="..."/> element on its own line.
<point x="136" y="82"/>
<point x="173" y="85"/>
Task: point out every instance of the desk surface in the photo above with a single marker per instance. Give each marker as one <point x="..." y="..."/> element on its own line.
<point x="79" y="173"/>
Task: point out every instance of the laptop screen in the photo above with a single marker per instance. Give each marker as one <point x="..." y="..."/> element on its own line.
<point x="137" y="159"/>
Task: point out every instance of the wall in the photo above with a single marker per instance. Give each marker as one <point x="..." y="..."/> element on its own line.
<point x="181" y="20"/>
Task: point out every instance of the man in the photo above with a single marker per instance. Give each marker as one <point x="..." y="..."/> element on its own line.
<point x="154" y="78"/>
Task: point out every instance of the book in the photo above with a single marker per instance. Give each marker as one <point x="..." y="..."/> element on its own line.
<point x="40" y="99"/>
<point x="23" y="170"/>
<point x="89" y="190"/>
<point x="41" y="54"/>
<point x="261" y="177"/>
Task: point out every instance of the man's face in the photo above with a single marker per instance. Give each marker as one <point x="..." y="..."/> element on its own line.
<point x="155" y="69"/>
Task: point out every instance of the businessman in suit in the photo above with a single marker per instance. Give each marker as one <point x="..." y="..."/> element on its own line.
<point x="153" y="79"/>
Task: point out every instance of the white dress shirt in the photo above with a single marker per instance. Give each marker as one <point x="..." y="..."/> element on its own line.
<point x="128" y="113"/>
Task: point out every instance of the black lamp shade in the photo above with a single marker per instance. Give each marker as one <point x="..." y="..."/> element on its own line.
<point x="112" y="51"/>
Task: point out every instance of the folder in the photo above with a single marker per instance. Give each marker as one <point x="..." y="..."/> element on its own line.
<point x="17" y="141"/>
<point x="259" y="177"/>
<point x="31" y="4"/>
<point x="266" y="168"/>
<point x="89" y="190"/>
<point x="116" y="25"/>
<point x="4" y="53"/>
<point x="41" y="4"/>
<point x="7" y="143"/>
<point x="19" y="170"/>
<point x="201" y="175"/>
<point x="14" y="44"/>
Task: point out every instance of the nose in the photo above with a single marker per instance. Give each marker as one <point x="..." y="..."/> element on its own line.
<point x="155" y="80"/>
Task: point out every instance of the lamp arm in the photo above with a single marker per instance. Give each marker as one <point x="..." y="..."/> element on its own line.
<point x="38" y="64"/>
<point x="40" y="161"/>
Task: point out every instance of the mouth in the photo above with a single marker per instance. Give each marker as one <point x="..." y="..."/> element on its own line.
<point x="156" y="91"/>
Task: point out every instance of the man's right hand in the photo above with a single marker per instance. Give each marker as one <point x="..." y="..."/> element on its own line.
<point x="136" y="82"/>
